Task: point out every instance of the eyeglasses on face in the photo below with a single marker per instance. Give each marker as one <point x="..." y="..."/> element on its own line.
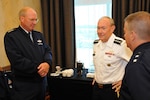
<point x="34" y="20"/>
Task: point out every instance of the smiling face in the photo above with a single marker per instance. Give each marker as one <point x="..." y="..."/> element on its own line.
<point x="28" y="19"/>
<point x="105" y="29"/>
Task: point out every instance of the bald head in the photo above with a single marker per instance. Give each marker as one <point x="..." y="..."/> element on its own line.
<point x="25" y="10"/>
<point x="110" y="20"/>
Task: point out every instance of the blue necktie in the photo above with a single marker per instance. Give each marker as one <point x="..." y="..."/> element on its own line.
<point x="30" y="35"/>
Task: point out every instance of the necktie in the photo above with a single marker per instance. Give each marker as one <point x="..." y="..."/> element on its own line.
<point x="30" y="36"/>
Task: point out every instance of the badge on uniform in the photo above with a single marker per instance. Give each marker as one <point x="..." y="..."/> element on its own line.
<point x="109" y="53"/>
<point x="39" y="42"/>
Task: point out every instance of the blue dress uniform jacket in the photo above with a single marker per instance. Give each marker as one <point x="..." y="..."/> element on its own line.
<point x="136" y="82"/>
<point x="25" y="55"/>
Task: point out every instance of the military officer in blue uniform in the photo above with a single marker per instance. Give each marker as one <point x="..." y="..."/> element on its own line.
<point x="136" y="81"/>
<point x="30" y="58"/>
<point x="110" y="56"/>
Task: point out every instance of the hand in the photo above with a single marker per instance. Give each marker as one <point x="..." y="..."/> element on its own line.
<point x="43" y="69"/>
<point x="117" y="85"/>
<point x="93" y="81"/>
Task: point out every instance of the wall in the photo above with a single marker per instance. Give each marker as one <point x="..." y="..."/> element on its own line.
<point x="9" y="19"/>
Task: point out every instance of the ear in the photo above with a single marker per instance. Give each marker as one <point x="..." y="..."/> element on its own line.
<point x="133" y="35"/>
<point x="21" y="18"/>
<point x="113" y="27"/>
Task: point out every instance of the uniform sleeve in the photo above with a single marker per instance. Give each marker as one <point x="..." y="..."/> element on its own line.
<point x="48" y="54"/>
<point x="22" y="64"/>
<point x="126" y="52"/>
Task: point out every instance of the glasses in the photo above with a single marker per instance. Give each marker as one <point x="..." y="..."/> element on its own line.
<point x="34" y="20"/>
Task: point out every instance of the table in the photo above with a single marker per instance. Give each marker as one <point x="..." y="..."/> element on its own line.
<point x="70" y="88"/>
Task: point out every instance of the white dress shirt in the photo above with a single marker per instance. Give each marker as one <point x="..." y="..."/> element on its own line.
<point x="110" y="59"/>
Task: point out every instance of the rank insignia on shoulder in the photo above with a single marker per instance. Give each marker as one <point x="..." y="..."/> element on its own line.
<point x="134" y="60"/>
<point x="96" y="41"/>
<point x="118" y="41"/>
<point x="136" y="57"/>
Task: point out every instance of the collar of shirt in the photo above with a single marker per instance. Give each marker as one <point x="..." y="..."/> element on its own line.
<point x="110" y="41"/>
<point x="25" y="30"/>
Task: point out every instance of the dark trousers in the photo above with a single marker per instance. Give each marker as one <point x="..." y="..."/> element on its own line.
<point x="4" y="86"/>
<point x="28" y="90"/>
<point x="104" y="93"/>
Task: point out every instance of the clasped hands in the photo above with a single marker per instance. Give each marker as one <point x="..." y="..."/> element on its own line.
<point x="43" y="69"/>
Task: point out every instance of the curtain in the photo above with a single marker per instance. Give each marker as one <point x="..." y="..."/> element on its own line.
<point x="122" y="8"/>
<point x="59" y="31"/>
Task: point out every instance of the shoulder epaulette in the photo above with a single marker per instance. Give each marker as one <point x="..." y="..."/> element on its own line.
<point x="96" y="41"/>
<point x="11" y="30"/>
<point x="137" y="57"/>
<point x="118" y="41"/>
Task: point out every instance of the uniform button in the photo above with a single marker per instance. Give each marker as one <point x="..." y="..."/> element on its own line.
<point x="108" y="65"/>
